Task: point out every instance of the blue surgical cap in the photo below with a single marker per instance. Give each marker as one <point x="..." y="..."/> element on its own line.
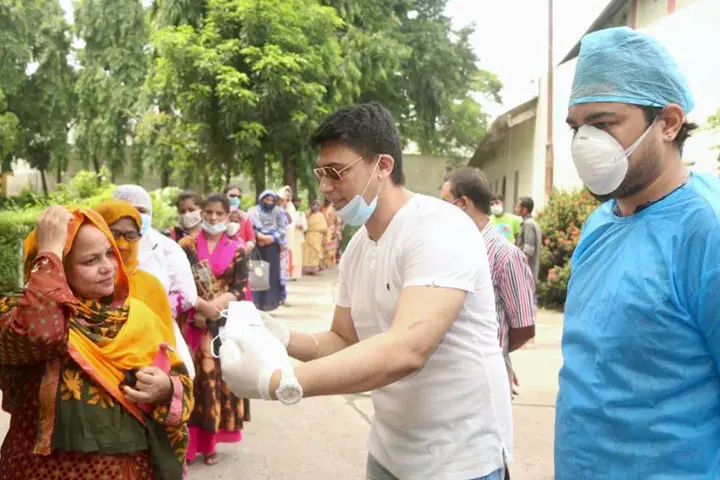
<point x="625" y="66"/>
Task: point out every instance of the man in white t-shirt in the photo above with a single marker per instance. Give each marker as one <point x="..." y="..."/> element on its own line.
<point x="414" y="322"/>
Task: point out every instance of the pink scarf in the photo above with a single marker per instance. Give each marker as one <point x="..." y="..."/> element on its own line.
<point x="221" y="258"/>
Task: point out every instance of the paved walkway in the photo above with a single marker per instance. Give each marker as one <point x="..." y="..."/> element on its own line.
<point x="324" y="438"/>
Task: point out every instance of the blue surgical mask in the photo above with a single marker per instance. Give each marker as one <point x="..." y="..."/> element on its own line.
<point x="268" y="207"/>
<point x="216" y="229"/>
<point x="235" y="202"/>
<point x="358" y="211"/>
<point x="146" y="223"/>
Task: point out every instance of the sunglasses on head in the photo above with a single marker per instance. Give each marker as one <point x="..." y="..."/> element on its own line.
<point x="332" y="173"/>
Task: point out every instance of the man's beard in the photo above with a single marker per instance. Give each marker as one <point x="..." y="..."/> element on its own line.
<point x="641" y="173"/>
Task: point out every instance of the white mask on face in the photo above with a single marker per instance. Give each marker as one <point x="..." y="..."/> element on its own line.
<point x="190" y="220"/>
<point x="600" y="160"/>
<point x="232" y="228"/>
<point x="497" y="210"/>
<point x="216" y="229"/>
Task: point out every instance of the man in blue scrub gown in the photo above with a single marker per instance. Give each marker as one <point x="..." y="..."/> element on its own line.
<point x="640" y="385"/>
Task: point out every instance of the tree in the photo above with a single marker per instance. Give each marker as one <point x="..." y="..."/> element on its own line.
<point x="18" y="20"/>
<point x="423" y="70"/>
<point x="114" y="64"/>
<point x="44" y="103"/>
<point x="251" y="82"/>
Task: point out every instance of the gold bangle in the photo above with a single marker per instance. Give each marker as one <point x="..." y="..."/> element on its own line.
<point x="317" y="346"/>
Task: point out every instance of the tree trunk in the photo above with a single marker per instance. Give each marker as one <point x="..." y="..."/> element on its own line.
<point x="44" y="182"/>
<point x="58" y="174"/>
<point x="259" y="174"/>
<point x="165" y="178"/>
<point x="312" y="191"/>
<point x="290" y="172"/>
<point x="228" y="174"/>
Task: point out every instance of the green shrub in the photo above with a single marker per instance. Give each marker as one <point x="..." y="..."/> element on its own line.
<point x="164" y="211"/>
<point x="560" y="222"/>
<point x="14" y="227"/>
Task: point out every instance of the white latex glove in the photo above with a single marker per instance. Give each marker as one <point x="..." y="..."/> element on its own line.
<point x="248" y="358"/>
<point x="277" y="328"/>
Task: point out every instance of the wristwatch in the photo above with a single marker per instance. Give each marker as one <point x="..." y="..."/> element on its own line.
<point x="289" y="391"/>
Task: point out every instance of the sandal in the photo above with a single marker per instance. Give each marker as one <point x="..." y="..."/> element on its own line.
<point x="211" y="459"/>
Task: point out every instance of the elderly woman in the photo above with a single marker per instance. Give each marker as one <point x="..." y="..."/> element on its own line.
<point x="220" y="269"/>
<point x="269" y="224"/>
<point x="76" y="364"/>
<point x="124" y="222"/>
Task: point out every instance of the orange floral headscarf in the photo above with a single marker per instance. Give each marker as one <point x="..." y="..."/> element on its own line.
<point x="139" y="340"/>
<point x="113" y="210"/>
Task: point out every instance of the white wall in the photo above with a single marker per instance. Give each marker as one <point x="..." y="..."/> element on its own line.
<point x="514" y="154"/>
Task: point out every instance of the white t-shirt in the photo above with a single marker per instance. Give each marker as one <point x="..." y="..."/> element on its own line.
<point x="452" y="419"/>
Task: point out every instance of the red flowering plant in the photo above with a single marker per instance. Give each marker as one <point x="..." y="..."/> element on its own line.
<point x="561" y="221"/>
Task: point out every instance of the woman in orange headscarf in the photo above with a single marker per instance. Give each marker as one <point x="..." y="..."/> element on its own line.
<point x="124" y="222"/>
<point x="76" y="365"/>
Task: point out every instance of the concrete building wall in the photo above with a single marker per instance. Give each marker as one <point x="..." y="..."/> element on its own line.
<point x="425" y="173"/>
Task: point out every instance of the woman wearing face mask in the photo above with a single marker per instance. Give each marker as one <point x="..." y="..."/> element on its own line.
<point x="221" y="272"/>
<point x="314" y="239"/>
<point x="267" y="219"/>
<point x="162" y="257"/>
<point x="67" y="344"/>
<point x="239" y="224"/>
<point x="189" y="208"/>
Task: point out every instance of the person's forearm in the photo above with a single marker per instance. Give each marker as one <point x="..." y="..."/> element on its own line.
<point x="517" y="337"/>
<point x="373" y="363"/>
<point x="311" y="346"/>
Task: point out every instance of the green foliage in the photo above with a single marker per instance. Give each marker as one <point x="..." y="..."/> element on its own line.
<point x="45" y="101"/>
<point x="114" y="65"/>
<point x="164" y="211"/>
<point x="561" y="222"/>
<point x="200" y="91"/>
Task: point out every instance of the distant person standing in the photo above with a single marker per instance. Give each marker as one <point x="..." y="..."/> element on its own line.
<point x="506" y="224"/>
<point x="513" y="284"/>
<point x="530" y="239"/>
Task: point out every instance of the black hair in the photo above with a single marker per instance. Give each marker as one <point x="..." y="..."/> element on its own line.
<point x="220" y="198"/>
<point x="471" y="183"/>
<point x="367" y="128"/>
<point x="686" y="130"/>
<point x="189" y="195"/>
<point x="496" y="197"/>
<point x="528" y="203"/>
<point x="232" y="187"/>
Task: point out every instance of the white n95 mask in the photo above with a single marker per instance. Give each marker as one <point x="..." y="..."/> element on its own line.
<point x="600" y="160"/>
